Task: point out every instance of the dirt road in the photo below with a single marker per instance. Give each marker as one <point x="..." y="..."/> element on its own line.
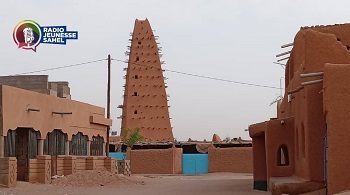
<point x="218" y="183"/>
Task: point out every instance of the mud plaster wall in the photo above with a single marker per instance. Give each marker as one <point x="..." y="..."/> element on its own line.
<point x="306" y="105"/>
<point x="277" y="135"/>
<point x="83" y="119"/>
<point x="39" y="169"/>
<point x="337" y="110"/>
<point x="8" y="171"/>
<point x="259" y="156"/>
<point x="178" y="160"/>
<point x="157" y="161"/>
<point x="257" y="132"/>
<point x="321" y="49"/>
<point x="311" y="50"/>
<point x="145" y="100"/>
<point x="236" y="160"/>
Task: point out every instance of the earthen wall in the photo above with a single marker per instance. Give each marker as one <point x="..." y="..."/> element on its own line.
<point x="236" y="160"/>
<point x="77" y="116"/>
<point x="337" y="110"/>
<point x="145" y="100"/>
<point x="156" y="161"/>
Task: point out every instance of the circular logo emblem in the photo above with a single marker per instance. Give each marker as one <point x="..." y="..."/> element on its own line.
<point x="27" y="34"/>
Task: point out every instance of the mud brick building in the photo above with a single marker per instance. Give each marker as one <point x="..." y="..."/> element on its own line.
<point x="145" y="100"/>
<point x="44" y="133"/>
<point x="306" y="147"/>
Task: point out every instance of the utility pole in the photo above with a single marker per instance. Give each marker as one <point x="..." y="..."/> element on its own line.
<point x="108" y="102"/>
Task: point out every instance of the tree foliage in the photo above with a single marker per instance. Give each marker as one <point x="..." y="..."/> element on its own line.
<point x="131" y="137"/>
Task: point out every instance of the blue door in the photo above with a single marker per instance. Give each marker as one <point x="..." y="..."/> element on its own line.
<point x="118" y="155"/>
<point x="193" y="164"/>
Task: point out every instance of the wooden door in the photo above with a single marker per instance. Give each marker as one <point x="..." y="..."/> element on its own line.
<point x="26" y="143"/>
<point x="22" y="136"/>
<point x="54" y="145"/>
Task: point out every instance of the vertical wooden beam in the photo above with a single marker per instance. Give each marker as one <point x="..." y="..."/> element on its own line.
<point x="2" y="146"/>
<point x="108" y="103"/>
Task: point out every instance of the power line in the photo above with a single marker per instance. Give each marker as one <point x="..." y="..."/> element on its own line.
<point x="201" y="76"/>
<point x="173" y="71"/>
<point x="60" y="67"/>
<point x="225" y="80"/>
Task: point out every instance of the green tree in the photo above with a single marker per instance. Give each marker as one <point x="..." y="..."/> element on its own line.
<point x="131" y="137"/>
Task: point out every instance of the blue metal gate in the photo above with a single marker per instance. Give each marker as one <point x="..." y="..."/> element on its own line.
<point x="118" y="155"/>
<point x="193" y="164"/>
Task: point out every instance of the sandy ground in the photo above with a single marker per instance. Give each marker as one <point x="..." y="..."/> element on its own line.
<point x="217" y="183"/>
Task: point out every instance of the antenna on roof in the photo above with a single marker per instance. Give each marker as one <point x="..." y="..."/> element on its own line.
<point x="282" y="65"/>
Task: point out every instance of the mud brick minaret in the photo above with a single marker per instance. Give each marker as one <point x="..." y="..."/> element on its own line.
<point x="145" y="100"/>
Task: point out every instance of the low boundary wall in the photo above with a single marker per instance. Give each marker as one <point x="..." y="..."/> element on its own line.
<point x="40" y="168"/>
<point x="8" y="171"/>
<point x="236" y="160"/>
<point x="156" y="161"/>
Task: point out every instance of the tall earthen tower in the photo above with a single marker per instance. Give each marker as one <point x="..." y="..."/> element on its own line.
<point x="145" y="100"/>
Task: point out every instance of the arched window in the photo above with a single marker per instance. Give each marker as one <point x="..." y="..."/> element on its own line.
<point x="79" y="145"/>
<point x="282" y="156"/>
<point x="10" y="142"/>
<point x="96" y="147"/>
<point x="55" y="143"/>
<point x="22" y="141"/>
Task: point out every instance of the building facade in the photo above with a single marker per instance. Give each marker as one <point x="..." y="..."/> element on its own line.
<point x="305" y="147"/>
<point x="42" y="135"/>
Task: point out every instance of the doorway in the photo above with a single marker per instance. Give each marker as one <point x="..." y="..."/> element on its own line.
<point x="54" y="145"/>
<point x="193" y="164"/>
<point x="26" y="147"/>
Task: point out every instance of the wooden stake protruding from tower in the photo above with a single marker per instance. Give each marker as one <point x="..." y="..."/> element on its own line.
<point x="144" y="76"/>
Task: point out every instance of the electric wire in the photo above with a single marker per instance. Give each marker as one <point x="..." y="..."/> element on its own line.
<point x="201" y="76"/>
<point x="173" y="71"/>
<point x="60" y="67"/>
